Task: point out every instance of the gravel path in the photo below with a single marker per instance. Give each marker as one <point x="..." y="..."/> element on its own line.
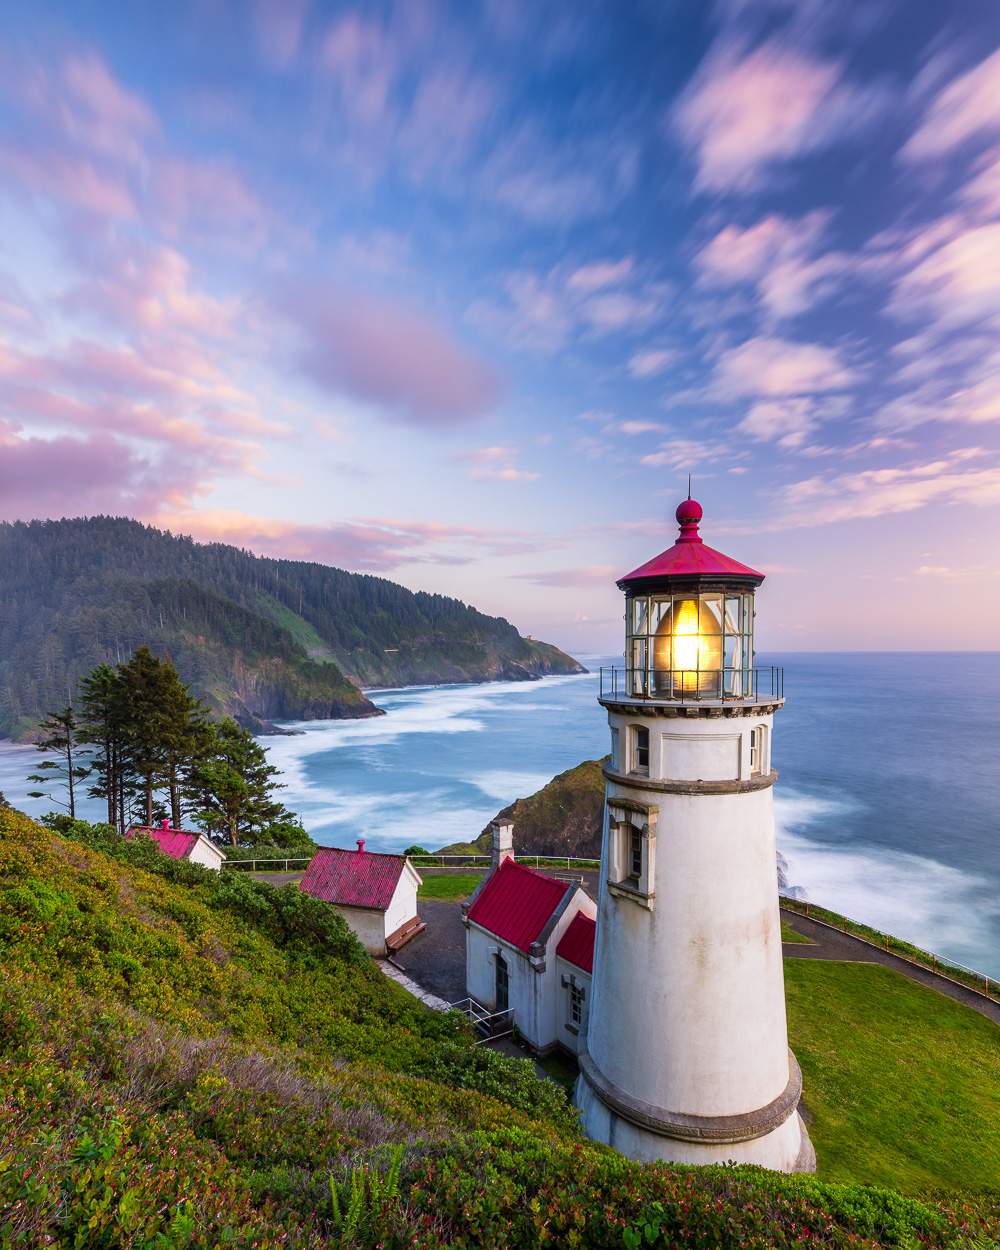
<point x="832" y="944"/>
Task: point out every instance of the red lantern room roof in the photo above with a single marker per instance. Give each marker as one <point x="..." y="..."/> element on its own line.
<point x="689" y="558"/>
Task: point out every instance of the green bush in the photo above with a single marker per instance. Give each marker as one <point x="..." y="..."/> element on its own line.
<point x="511" y="1081"/>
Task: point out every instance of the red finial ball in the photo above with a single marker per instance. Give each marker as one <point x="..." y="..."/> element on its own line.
<point x="688" y="512"/>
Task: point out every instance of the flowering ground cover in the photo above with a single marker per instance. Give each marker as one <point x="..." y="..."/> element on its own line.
<point x="187" y="1060"/>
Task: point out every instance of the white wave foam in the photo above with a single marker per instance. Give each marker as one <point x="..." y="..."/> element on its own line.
<point x="510" y="785"/>
<point x="921" y="900"/>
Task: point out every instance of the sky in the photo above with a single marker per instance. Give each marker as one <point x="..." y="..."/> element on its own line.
<point x="459" y="294"/>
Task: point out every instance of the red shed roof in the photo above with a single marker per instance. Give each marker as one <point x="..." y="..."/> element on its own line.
<point x="353" y="878"/>
<point x="577" y="945"/>
<point x="177" y="843"/>
<point x="516" y="902"/>
<point x="689" y="557"/>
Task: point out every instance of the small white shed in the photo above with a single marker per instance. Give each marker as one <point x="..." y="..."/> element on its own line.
<point x="184" y="844"/>
<point x="374" y="892"/>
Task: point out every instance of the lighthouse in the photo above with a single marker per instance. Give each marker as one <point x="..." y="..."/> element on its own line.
<point x="686" y="1056"/>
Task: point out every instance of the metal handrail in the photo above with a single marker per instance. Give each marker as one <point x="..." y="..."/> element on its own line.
<point x="929" y="960"/>
<point x="719" y="685"/>
<point x="571" y="861"/>
<point x="483" y="1018"/>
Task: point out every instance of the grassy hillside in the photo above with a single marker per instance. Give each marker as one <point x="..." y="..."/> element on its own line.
<point x="189" y="1060"/>
<point x="563" y="818"/>
<point x="904" y="1082"/>
<point x="259" y="638"/>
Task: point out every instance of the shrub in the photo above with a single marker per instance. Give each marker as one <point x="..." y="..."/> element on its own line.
<point x="511" y="1081"/>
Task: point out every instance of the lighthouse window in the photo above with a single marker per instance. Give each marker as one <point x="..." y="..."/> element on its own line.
<point x="634" y="853"/>
<point x="757" y="749"/>
<point x="641" y="742"/>
<point x="690" y="646"/>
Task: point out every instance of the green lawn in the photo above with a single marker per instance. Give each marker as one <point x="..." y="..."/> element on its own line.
<point x="904" y="1083"/>
<point x="450" y="887"/>
<point x="788" y="934"/>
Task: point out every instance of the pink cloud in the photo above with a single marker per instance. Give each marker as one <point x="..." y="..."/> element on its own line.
<point x="102" y="115"/>
<point x="957" y="283"/>
<point x="685" y="453"/>
<point x="575" y="579"/>
<point x="876" y="492"/>
<point x="494" y="464"/>
<point x="599" y="273"/>
<point x="741" y="114"/>
<point x="150" y="289"/>
<point x="278" y="25"/>
<point x="67" y="476"/>
<point x="773" y="366"/>
<point x="650" y="364"/>
<point x="775" y="255"/>
<point x="369" y="543"/>
<point x="542" y="311"/>
<point x="789" y="421"/>
<point x="967" y="107"/>
<point x="83" y="134"/>
<point x="190" y="193"/>
<point x="386" y="354"/>
<point x="70" y="177"/>
<point x="505" y="474"/>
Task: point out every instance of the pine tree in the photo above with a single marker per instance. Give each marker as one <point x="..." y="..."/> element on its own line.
<point x="103" y="727"/>
<point x="61" y="741"/>
<point x="230" y="786"/>
<point x="147" y="697"/>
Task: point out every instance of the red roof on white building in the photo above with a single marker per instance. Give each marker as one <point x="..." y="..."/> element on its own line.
<point x="177" y="843"/>
<point x="577" y="945"/>
<point x="516" y="902"/>
<point x="689" y="556"/>
<point x="353" y="878"/>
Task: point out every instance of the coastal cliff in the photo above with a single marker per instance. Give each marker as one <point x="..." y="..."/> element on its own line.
<point x="258" y="639"/>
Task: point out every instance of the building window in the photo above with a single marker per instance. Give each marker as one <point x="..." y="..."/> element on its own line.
<point x="634" y="853"/>
<point x="756" y="749"/>
<point x="576" y="1005"/>
<point x="640" y="761"/>
<point x="615" y="758"/>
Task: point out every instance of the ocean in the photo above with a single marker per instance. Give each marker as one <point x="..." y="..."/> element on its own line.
<point x="887" y="802"/>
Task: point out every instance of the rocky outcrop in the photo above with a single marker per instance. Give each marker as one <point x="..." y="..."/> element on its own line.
<point x="565" y="817"/>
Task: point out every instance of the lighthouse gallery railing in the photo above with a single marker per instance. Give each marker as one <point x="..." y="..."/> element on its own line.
<point x="745" y="685"/>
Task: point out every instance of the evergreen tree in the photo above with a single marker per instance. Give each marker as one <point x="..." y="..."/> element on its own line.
<point x="61" y="728"/>
<point x="231" y="789"/>
<point x="185" y="735"/>
<point x="103" y="726"/>
<point x="148" y="698"/>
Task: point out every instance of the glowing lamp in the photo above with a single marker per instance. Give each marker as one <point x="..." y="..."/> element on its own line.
<point x="690" y="620"/>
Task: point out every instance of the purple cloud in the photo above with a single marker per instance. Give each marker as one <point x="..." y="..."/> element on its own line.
<point x="387" y="354"/>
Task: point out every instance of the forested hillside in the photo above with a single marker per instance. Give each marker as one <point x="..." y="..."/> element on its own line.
<point x="257" y="638"/>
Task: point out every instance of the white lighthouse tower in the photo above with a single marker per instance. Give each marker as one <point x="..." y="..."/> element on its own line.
<point x="686" y="1057"/>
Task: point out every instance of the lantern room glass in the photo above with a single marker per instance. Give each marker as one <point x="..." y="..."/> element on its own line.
<point x="690" y="646"/>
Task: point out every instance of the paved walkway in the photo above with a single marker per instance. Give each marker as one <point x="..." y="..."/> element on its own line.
<point x="435" y="958"/>
<point x="832" y="944"/>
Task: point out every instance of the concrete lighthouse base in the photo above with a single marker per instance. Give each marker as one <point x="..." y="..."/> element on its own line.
<point x="647" y="1134"/>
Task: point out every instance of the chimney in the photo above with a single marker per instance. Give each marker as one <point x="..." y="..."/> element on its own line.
<point x="165" y="824"/>
<point x="503" y="842"/>
<point x="361" y="845"/>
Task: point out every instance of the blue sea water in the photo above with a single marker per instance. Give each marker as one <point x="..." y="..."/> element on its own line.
<point x="887" y="802"/>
